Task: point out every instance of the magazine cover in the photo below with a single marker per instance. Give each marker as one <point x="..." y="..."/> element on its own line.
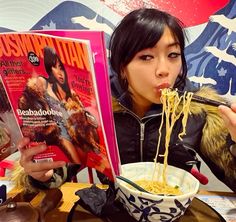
<point x="51" y="84"/>
<point x="9" y="130"/>
<point x="97" y="42"/>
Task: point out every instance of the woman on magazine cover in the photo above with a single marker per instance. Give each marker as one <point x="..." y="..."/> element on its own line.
<point x="147" y="54"/>
<point x="54" y="93"/>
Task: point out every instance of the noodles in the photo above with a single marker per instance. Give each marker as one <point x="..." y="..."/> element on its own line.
<point x="187" y="97"/>
<point x="173" y="107"/>
<point x="157" y="187"/>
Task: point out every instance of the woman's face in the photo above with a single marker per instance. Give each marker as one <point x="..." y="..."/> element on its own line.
<point x="153" y="69"/>
<point x="58" y="73"/>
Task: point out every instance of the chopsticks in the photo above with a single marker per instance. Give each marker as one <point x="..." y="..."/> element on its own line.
<point x="204" y="100"/>
<point x="139" y="188"/>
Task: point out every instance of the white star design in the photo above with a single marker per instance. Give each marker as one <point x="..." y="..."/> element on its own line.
<point x="222" y="71"/>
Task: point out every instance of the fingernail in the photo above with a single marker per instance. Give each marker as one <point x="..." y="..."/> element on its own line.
<point x="42" y="146"/>
<point x="62" y="163"/>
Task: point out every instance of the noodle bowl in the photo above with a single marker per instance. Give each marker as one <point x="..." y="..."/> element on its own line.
<point x="138" y="203"/>
<point x="160" y="178"/>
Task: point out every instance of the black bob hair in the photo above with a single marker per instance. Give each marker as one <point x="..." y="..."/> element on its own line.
<point x="141" y="29"/>
<point x="50" y="60"/>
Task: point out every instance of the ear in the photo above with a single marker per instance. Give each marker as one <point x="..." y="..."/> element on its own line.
<point x="123" y="73"/>
<point x="123" y="76"/>
<point x="181" y="72"/>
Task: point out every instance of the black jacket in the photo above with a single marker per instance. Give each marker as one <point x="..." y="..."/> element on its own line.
<point x="137" y="137"/>
<point x="205" y="134"/>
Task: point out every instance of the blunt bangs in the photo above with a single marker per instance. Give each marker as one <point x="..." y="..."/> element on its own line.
<point x="145" y="35"/>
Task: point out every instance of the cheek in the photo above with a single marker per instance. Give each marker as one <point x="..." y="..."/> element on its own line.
<point x="135" y="70"/>
<point x="137" y="77"/>
<point x="176" y="71"/>
<point x="55" y="74"/>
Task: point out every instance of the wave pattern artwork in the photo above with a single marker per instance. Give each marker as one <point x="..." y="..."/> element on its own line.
<point x="73" y="15"/>
<point x="211" y="58"/>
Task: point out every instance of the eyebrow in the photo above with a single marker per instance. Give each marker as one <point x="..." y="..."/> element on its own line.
<point x="173" y="44"/>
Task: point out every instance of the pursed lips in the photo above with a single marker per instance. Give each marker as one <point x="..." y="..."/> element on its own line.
<point x="160" y="87"/>
<point x="61" y="79"/>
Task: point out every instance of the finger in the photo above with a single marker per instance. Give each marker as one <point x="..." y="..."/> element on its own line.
<point x="43" y="166"/>
<point x="41" y="173"/>
<point x="229" y="117"/>
<point x="233" y="150"/>
<point x="28" y="153"/>
<point x="23" y="143"/>
<point x="233" y="107"/>
<point x="42" y="176"/>
<point x="227" y="114"/>
<point x="225" y="109"/>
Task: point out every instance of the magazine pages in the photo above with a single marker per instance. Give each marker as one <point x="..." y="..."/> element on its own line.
<point x="51" y="85"/>
<point x="9" y="129"/>
<point x="97" y="42"/>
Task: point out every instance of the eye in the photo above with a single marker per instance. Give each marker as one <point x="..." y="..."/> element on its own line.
<point x="59" y="67"/>
<point x="146" y="57"/>
<point x="174" y="55"/>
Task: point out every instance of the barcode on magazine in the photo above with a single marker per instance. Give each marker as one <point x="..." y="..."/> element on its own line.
<point x="43" y="160"/>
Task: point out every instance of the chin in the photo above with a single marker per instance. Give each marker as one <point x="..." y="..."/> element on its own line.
<point x="156" y="101"/>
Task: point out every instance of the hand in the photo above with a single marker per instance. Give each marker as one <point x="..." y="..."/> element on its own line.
<point x="229" y="117"/>
<point x="41" y="171"/>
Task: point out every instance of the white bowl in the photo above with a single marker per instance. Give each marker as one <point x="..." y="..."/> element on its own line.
<point x="152" y="207"/>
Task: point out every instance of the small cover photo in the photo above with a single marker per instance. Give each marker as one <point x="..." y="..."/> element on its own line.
<point x="9" y="129"/>
<point x="51" y="85"/>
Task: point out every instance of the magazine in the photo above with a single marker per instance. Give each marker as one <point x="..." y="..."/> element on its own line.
<point x="9" y="129"/>
<point x="52" y="87"/>
<point x="98" y="46"/>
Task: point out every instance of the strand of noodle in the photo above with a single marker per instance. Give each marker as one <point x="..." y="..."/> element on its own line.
<point x="170" y="100"/>
<point x="173" y="101"/>
<point x="168" y="129"/>
<point x="169" y="126"/>
<point x="156" y="168"/>
<point x="164" y="104"/>
<point x="186" y="108"/>
<point x="165" y="107"/>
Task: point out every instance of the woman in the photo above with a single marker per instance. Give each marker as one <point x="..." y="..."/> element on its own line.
<point x="51" y="93"/>
<point x="147" y="55"/>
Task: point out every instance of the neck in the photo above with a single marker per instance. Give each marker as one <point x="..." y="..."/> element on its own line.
<point x="140" y="109"/>
<point x="61" y="93"/>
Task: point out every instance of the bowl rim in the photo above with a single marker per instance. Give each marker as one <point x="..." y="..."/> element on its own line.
<point x="150" y="195"/>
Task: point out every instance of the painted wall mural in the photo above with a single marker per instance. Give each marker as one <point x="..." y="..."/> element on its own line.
<point x="211" y="26"/>
<point x="211" y="57"/>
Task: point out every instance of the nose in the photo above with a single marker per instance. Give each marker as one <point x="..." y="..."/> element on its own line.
<point x="161" y="74"/>
<point x="161" y="69"/>
<point x="61" y="73"/>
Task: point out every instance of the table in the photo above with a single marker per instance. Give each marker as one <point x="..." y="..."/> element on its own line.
<point x="223" y="202"/>
<point x="60" y="213"/>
